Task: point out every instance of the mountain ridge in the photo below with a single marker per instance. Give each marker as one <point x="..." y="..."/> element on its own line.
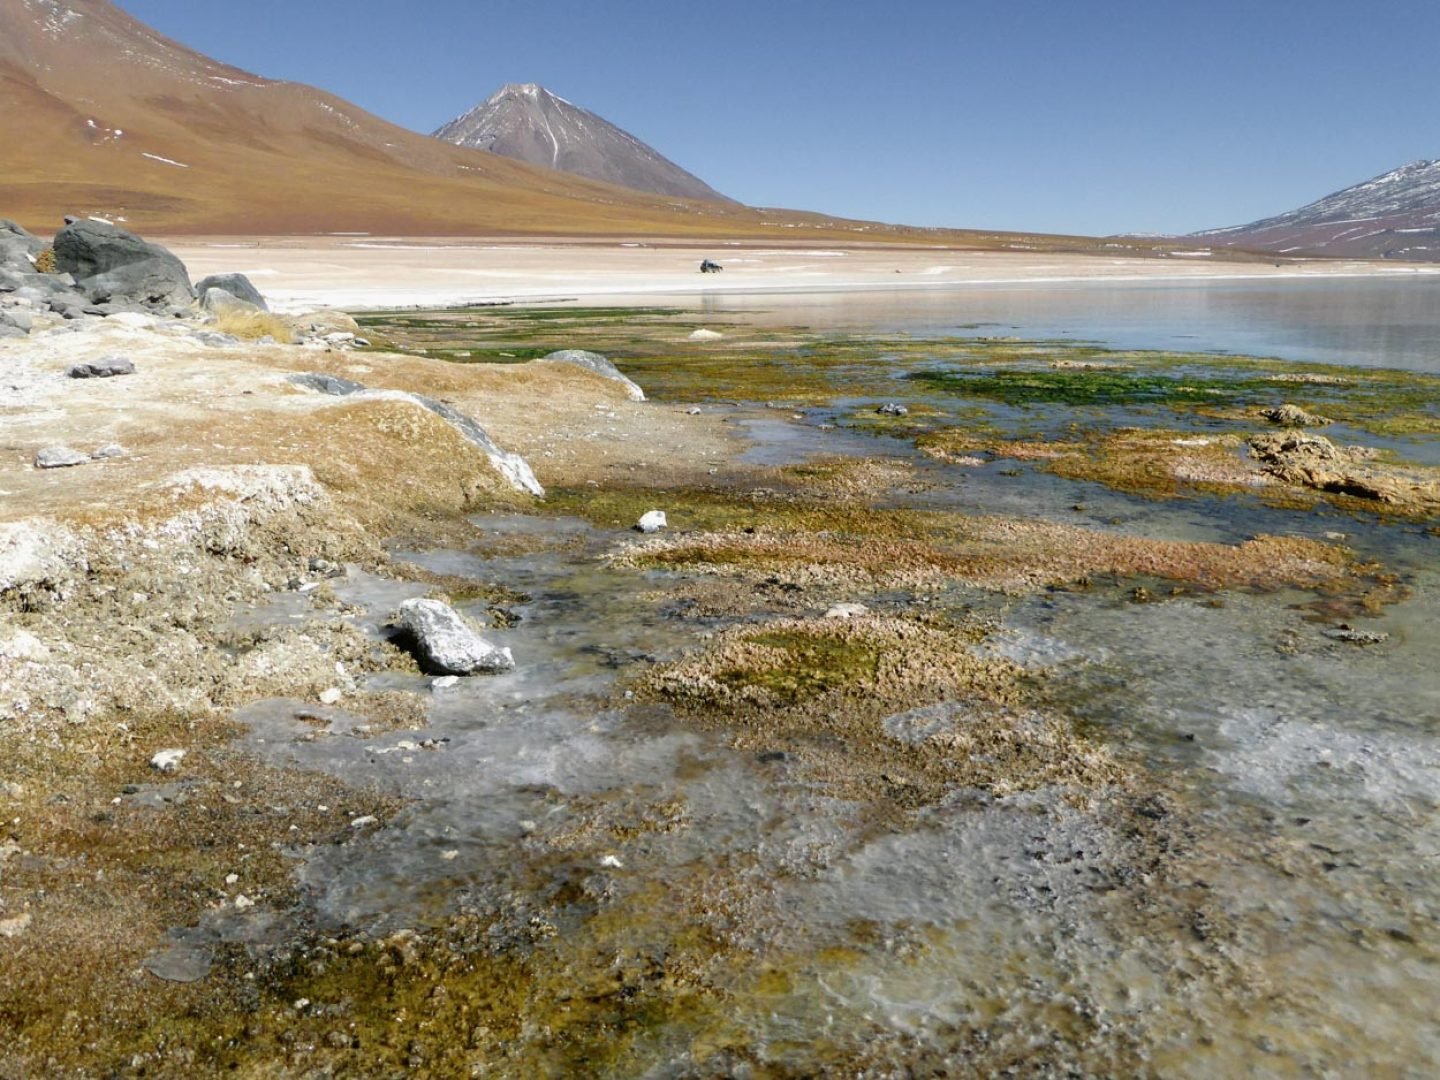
<point x="1395" y="215"/>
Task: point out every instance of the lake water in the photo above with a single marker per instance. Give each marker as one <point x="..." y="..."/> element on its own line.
<point x="1362" y="321"/>
<point x="1288" y="928"/>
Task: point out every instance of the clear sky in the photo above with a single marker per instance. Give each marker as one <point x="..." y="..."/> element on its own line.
<point x="1088" y="116"/>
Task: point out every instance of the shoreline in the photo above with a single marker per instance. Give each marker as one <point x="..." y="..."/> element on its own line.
<point x="389" y="273"/>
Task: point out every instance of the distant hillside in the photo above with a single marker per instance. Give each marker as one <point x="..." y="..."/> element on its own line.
<point x="529" y="123"/>
<point x="1394" y="216"/>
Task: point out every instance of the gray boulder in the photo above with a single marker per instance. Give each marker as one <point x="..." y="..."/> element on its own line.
<point x="20" y="320"/>
<point x="112" y="266"/>
<point x="237" y="285"/>
<point x="107" y="367"/>
<point x="8" y="331"/>
<point x="599" y="365"/>
<point x="150" y="283"/>
<point x="217" y="301"/>
<point x="443" y="642"/>
<point x="59" y="457"/>
<point x="17" y="247"/>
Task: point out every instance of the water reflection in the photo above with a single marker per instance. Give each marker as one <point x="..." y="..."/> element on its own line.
<point x="1364" y="321"/>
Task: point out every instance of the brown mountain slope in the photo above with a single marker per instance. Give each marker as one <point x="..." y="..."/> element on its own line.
<point x="98" y="114"/>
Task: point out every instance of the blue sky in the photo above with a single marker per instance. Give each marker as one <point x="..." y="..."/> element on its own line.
<point x="1088" y="116"/>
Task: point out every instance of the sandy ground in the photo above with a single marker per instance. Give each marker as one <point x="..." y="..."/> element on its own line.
<point x="374" y="272"/>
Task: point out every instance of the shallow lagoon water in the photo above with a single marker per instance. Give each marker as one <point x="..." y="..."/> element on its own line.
<point x="1287" y="929"/>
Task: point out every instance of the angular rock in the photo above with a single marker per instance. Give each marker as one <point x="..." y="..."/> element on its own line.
<point x="59" y="457"/>
<point x="652" y="522"/>
<point x="112" y="265"/>
<point x="444" y="644"/>
<point x="600" y="365"/>
<point x="107" y="367"/>
<point x="108" y="451"/>
<point x="8" y="331"/>
<point x="236" y="285"/>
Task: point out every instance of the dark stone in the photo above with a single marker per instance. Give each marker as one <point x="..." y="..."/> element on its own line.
<point x="151" y="283"/>
<point x="107" y="367"/>
<point x="237" y="285"/>
<point x="326" y="384"/>
<point x="111" y="264"/>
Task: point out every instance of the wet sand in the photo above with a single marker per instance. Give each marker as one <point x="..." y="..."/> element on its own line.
<point x="384" y="272"/>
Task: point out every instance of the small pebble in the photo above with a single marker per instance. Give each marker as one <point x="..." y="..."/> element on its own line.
<point x="331" y="696"/>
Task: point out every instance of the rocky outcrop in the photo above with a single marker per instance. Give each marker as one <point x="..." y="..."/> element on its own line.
<point x="1313" y="461"/>
<point x="600" y="365"/>
<point x="112" y="266"/>
<point x="515" y="469"/>
<point x="444" y="643"/>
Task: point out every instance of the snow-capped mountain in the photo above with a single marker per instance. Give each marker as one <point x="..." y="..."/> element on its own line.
<point x="1394" y="216"/>
<point x="529" y="123"/>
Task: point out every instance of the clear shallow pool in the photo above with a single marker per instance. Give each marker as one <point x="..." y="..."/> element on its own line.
<point x="1262" y="903"/>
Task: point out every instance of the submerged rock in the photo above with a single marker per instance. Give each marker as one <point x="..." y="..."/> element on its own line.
<point x="600" y="365"/>
<point x="1288" y="415"/>
<point x="444" y="643"/>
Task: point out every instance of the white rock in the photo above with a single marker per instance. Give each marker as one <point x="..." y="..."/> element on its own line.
<point x="232" y="879"/>
<point x="366" y="822"/>
<point x="445" y="682"/>
<point x="706" y="335"/>
<point x="167" y="761"/>
<point x="331" y="696"/>
<point x="847" y="611"/>
<point x="446" y="643"/>
<point x="10" y="928"/>
<point x="653" y="522"/>
<point x="23" y="645"/>
<point x="612" y="862"/>
<point x="243" y="903"/>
